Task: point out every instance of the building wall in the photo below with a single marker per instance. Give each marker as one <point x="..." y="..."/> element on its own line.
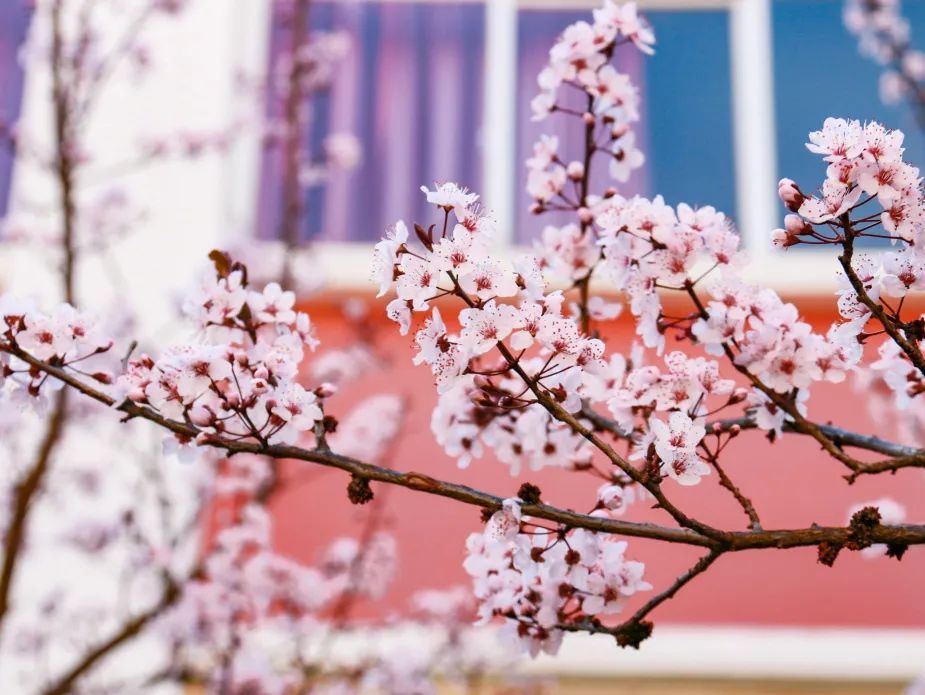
<point x="791" y="482"/>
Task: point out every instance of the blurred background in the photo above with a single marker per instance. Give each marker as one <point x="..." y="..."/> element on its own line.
<point x="439" y="90"/>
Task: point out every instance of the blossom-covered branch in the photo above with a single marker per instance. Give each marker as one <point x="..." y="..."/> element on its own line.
<point x="527" y="374"/>
<point x="173" y="408"/>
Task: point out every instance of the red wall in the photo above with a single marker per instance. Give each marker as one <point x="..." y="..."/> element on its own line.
<point x="791" y="483"/>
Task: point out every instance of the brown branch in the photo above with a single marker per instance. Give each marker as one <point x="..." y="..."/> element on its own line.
<point x="64" y="164"/>
<point x="31" y="483"/>
<point x="634" y="630"/>
<point x="653" y="487"/>
<point x="127" y="631"/>
<point x="831" y="438"/>
<point x="800" y="423"/>
<point x="585" y="283"/>
<point x="23" y="496"/>
<point x="903" y="456"/>
<point x="905" y="534"/>
<point x="909" y="347"/>
<point x="745" y="502"/>
<point x="562" y="415"/>
<point x="293" y="203"/>
<point x="839" y="435"/>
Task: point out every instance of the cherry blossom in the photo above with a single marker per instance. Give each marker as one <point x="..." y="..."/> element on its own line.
<point x="536" y="583"/>
<point x="676" y="443"/>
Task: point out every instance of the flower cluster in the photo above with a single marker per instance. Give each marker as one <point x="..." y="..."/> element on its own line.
<point x="543" y="580"/>
<point x="772" y="341"/>
<point x="649" y="246"/>
<point x="865" y="168"/>
<point x="607" y="104"/>
<point x="65" y="338"/>
<point x="241" y="382"/>
<point x="484" y="412"/>
<point x="863" y="160"/>
<point x="247" y="591"/>
<point x="580" y="58"/>
<point x="457" y="262"/>
<point x="904" y="381"/>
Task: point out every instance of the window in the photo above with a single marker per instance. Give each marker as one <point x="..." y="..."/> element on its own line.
<point x="14" y="22"/>
<point x="411" y="90"/>
<point x="689" y="151"/>
<point x="728" y="99"/>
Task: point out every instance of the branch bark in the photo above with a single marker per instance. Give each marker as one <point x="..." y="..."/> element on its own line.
<point x="23" y="497"/>
<point x="727" y="541"/>
<point x="127" y="631"/>
<point x="293" y="203"/>
<point x="34" y="476"/>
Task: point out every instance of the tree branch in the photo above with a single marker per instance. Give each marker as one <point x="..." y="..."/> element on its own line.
<point x="631" y="632"/>
<point x="909" y="347"/>
<point x="64" y="684"/>
<point x="728" y="541"/>
<point x="23" y="496"/>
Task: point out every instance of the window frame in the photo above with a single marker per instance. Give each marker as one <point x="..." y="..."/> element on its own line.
<point x="800" y="271"/>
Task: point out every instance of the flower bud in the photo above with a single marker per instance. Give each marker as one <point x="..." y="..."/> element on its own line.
<point x="796" y="225"/>
<point x="575" y="170"/>
<point x="783" y="239"/>
<point x="619" y="130"/>
<point x="326" y="390"/>
<point x="588" y="118"/>
<point x="738" y="396"/>
<point x="585" y="216"/>
<point x="790" y="194"/>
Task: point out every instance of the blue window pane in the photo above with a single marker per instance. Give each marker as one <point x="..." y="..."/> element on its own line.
<point x="14" y="22"/>
<point x="686" y="120"/>
<point x="818" y="72"/>
<point x="411" y="91"/>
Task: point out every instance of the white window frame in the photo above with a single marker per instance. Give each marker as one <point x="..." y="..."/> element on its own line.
<point x="754" y="133"/>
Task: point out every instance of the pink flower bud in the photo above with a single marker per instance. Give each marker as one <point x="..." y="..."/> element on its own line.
<point x="326" y="390"/>
<point x="796" y="225"/>
<point x="619" y="130"/>
<point x="575" y="170"/>
<point x="588" y="118"/>
<point x="790" y="194"/>
<point x="585" y="215"/>
<point x="783" y="239"/>
<point x="102" y="377"/>
<point x="738" y="396"/>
